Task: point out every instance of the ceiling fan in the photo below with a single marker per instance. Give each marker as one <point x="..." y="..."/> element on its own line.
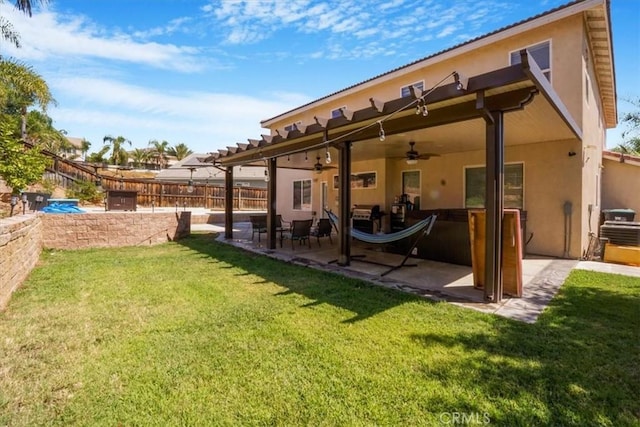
<point x="319" y="167"/>
<point x="412" y="156"/>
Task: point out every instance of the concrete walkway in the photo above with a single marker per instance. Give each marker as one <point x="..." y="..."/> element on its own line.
<point x="542" y="277"/>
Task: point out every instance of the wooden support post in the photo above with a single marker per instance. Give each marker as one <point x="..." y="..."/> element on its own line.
<point x="494" y="203"/>
<point x="344" y="225"/>
<point x="228" y="203"/>
<point x="271" y="203"/>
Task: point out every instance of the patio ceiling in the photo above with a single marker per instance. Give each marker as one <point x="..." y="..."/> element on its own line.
<point x="455" y="123"/>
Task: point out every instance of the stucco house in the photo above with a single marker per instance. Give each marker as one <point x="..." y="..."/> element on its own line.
<point x="516" y="118"/>
<point x="621" y="182"/>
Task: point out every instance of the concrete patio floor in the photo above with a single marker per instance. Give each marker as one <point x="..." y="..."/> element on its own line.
<point x="542" y="277"/>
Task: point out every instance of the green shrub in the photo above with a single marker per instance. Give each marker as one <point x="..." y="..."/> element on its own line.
<point x="85" y="191"/>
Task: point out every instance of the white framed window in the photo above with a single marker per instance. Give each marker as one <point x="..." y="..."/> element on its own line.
<point x="411" y="186"/>
<point x="337" y="113"/>
<point x="540" y="52"/>
<point x="405" y="91"/>
<point x="474" y="186"/>
<point x="302" y="195"/>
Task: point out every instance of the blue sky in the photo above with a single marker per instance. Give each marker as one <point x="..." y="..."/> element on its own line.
<point x="206" y="72"/>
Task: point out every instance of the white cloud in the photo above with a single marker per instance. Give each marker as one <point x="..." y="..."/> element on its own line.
<point x="204" y="120"/>
<point x="47" y="35"/>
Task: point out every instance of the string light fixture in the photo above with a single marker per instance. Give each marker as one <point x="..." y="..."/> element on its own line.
<point x="327" y="156"/>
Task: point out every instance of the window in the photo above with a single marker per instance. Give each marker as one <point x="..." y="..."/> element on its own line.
<point x="292" y="126"/>
<point x="302" y="195"/>
<point x="541" y="52"/>
<point x="337" y="113"/>
<point x="411" y="186"/>
<point x="405" y="92"/>
<point x="474" y="184"/>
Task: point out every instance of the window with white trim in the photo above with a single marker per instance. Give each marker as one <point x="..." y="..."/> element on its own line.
<point x="405" y="91"/>
<point x="540" y="52"/>
<point x="302" y="195"/>
<point x="474" y="186"/>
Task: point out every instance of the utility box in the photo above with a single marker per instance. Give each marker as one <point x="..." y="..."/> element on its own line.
<point x="619" y="215"/>
<point x="122" y="200"/>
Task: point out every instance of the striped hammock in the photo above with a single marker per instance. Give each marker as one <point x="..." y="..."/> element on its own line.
<point x="424" y="224"/>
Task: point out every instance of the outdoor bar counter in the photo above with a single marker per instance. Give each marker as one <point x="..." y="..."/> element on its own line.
<point x="449" y="239"/>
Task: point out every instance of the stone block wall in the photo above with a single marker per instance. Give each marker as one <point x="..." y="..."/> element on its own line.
<point x="20" y="247"/>
<point x="113" y="229"/>
<point x="22" y="237"/>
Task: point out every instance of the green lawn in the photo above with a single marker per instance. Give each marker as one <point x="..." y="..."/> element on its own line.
<point x="201" y="333"/>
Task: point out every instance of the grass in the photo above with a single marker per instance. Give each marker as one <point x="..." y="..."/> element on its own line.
<point x="201" y="333"/>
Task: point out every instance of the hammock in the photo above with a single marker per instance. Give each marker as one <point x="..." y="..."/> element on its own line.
<point x="423" y="226"/>
<point x="426" y="223"/>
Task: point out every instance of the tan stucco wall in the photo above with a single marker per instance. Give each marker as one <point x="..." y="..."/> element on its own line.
<point x="552" y="177"/>
<point x="566" y="38"/>
<point x="621" y="186"/>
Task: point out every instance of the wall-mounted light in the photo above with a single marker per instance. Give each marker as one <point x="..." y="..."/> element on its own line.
<point x="266" y="175"/>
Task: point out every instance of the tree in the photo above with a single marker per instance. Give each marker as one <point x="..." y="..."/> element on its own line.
<point x="6" y="29"/>
<point x="159" y="152"/>
<point x="140" y="156"/>
<point x="41" y="132"/>
<point x="84" y="147"/>
<point x="119" y="156"/>
<point x="100" y="156"/>
<point x="19" y="166"/>
<point x="21" y="87"/>
<point x="179" y="151"/>
<point x="632" y="119"/>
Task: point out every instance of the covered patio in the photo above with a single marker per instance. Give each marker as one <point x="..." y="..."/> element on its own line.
<point x="434" y="280"/>
<point x="511" y="106"/>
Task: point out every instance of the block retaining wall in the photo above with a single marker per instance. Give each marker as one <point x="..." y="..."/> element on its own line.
<point x="20" y="247"/>
<point x="23" y="237"/>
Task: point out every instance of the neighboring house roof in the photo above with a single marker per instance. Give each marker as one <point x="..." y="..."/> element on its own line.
<point x="75" y="142"/>
<point x="202" y="171"/>
<point x="598" y="25"/>
<point x="622" y="158"/>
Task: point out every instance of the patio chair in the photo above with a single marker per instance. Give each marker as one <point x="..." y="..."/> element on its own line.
<point x="258" y="225"/>
<point x="323" y="229"/>
<point x="282" y="227"/>
<point x="300" y="231"/>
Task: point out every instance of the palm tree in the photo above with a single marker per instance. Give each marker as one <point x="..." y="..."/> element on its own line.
<point x="140" y="156"/>
<point x="159" y="152"/>
<point x="20" y="87"/>
<point x="179" y="151"/>
<point x="84" y="147"/>
<point x="119" y="155"/>
<point x="6" y="29"/>
<point x="41" y="132"/>
<point x="100" y="156"/>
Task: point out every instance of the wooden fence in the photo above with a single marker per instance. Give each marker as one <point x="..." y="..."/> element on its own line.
<point x="158" y="193"/>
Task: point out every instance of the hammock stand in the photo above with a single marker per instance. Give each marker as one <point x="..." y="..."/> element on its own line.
<point x="423" y="227"/>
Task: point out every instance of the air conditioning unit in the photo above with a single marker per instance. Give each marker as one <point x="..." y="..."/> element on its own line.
<point x="621" y="233"/>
